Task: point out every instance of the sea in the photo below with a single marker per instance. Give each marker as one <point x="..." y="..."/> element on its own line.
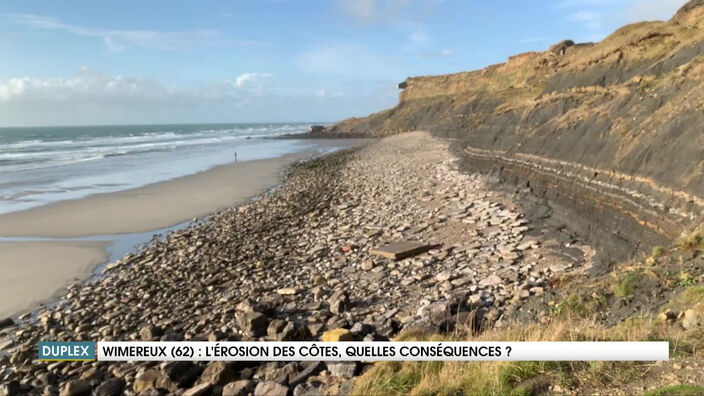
<point x="42" y="165"/>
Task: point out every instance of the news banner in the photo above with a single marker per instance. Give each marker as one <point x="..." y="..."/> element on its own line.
<point x="353" y="351"/>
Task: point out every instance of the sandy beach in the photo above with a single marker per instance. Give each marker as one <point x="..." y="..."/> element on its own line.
<point x="33" y="272"/>
<point x="151" y="207"/>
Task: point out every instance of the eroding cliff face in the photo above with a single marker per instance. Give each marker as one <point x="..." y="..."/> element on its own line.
<point x="613" y="131"/>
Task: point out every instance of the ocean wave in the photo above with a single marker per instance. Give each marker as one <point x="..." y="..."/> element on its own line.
<point x="36" y="153"/>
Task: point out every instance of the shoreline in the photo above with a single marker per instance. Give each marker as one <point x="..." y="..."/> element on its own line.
<point x="299" y="256"/>
<point x="142" y="209"/>
<point x="68" y="241"/>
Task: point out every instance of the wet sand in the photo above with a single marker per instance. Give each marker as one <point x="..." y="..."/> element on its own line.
<point x="34" y="272"/>
<point x="151" y="207"/>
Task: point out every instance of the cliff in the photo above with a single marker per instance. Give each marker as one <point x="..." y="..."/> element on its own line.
<point x="610" y="131"/>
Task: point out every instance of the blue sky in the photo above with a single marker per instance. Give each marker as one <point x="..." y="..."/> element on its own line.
<point x="121" y="62"/>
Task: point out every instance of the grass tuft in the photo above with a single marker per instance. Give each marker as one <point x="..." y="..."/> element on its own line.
<point x="627" y="284"/>
<point x="693" y="241"/>
<point x="657" y="251"/>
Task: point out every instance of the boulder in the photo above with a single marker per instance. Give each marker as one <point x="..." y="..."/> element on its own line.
<point x="339" y="302"/>
<point x="281" y="375"/>
<point x="443" y="276"/>
<point x="218" y="373"/>
<point x="77" y="387"/>
<point x="668" y="316"/>
<point x="691" y="320"/>
<point x="153" y="379"/>
<point x="287" y="291"/>
<point x="470" y="321"/>
<point x="439" y="312"/>
<point x="181" y="372"/>
<point x="11" y="388"/>
<point x="252" y="323"/>
<point x="309" y="369"/>
<point x="111" y="387"/>
<point x="308" y="390"/>
<point x="282" y="330"/>
<point x="270" y="388"/>
<point x="198" y="390"/>
<point x="342" y="369"/>
<point x="316" y="129"/>
<point x="275" y="328"/>
<point x="7" y="322"/>
<point x="149" y="333"/>
<point x="491" y="280"/>
<point x="48" y="378"/>
<point x="336" y="335"/>
<point x="238" y="388"/>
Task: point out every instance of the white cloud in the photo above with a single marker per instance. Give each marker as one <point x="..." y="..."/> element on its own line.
<point x="119" y="40"/>
<point x="86" y="86"/>
<point x="12" y="88"/>
<point x="89" y="87"/>
<point x="91" y="98"/>
<point x="245" y="78"/>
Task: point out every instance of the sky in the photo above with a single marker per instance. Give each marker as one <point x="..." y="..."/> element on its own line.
<point x="87" y="62"/>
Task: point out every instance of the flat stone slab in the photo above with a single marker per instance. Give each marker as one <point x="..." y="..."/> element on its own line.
<point x="400" y="250"/>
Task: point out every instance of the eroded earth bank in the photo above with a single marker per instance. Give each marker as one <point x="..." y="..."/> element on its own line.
<point x="609" y="132"/>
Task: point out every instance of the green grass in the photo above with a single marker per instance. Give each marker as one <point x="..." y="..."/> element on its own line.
<point x="576" y="306"/>
<point x="627" y="284"/>
<point x="399" y="378"/>
<point x="689" y="297"/>
<point x="678" y="390"/>
<point x="515" y="378"/>
<point x="685" y="280"/>
<point x="657" y="251"/>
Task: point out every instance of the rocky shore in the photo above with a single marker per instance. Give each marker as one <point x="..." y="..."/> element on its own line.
<point x="295" y="265"/>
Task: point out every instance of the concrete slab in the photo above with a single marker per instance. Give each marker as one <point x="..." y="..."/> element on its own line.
<point x="400" y="250"/>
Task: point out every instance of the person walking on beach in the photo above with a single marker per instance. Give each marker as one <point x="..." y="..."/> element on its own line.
<point x="235" y="156"/>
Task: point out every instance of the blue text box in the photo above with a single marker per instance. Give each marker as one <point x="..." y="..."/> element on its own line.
<point x="66" y="350"/>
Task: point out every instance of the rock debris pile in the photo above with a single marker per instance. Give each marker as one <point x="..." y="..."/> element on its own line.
<point x="295" y="265"/>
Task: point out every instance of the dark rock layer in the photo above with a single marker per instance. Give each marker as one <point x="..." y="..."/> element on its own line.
<point x="610" y="133"/>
